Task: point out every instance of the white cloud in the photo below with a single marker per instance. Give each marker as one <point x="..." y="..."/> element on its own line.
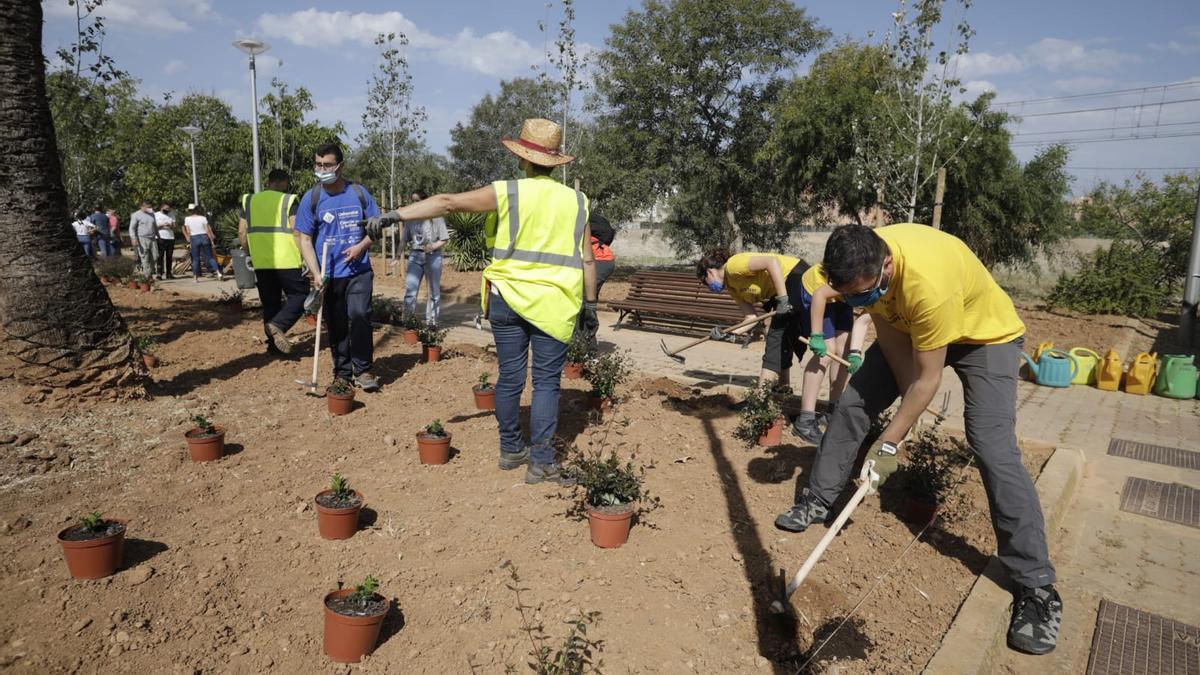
<point x="982" y="64"/>
<point x="1177" y="48"/>
<point x="1082" y="84"/>
<point x="496" y="53"/>
<point x="1055" y="54"/>
<point x="976" y="87"/>
<point x="174" y="66"/>
<point x="172" y="16"/>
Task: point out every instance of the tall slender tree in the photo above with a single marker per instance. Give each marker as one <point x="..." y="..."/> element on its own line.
<point x="391" y="122"/>
<point x="58" y="326"/>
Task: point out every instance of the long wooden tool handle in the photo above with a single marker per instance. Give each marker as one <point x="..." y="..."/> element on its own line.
<point x="706" y="338"/>
<point x="320" y="312"/>
<point x="863" y="487"/>
<point x="831" y="355"/>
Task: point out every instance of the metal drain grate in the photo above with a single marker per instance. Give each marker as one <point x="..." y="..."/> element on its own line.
<point x="1131" y="641"/>
<point x="1157" y="454"/>
<point x="1166" y="501"/>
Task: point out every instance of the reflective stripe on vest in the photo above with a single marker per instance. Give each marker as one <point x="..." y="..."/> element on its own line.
<point x="269" y="235"/>
<point x="514" y="227"/>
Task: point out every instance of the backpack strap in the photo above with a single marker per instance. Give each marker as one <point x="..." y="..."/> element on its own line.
<point x="362" y="198"/>
<point x="313" y="195"/>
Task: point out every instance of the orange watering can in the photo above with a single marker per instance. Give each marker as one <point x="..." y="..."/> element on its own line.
<point x="1141" y="373"/>
<point x="1108" y="374"/>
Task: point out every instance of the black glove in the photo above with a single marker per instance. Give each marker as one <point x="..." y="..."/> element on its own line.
<point x="376" y="224"/>
<point x="783" y="305"/>
<point x="591" y="324"/>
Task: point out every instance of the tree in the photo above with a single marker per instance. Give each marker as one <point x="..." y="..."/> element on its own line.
<point x="567" y="61"/>
<point x="58" y="327"/>
<point x="288" y="139"/>
<point x="690" y="83"/>
<point x="390" y="120"/>
<point x="475" y="150"/>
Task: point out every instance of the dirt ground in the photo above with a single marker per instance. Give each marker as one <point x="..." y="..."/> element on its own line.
<point x="225" y="571"/>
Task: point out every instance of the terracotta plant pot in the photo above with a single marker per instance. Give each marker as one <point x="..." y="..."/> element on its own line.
<point x="311" y="319"/>
<point x="431" y="353"/>
<point x="145" y="287"/>
<point x="339" y="404"/>
<point x="206" y="448"/>
<point x="334" y="523"/>
<point x="411" y="337"/>
<point x="133" y="285"/>
<point x="349" y="638"/>
<point x="603" y="404"/>
<point x="150" y="360"/>
<point x="573" y="371"/>
<point x="94" y="558"/>
<point x="485" y="399"/>
<point x="918" y="511"/>
<point x="773" y="435"/>
<point x="610" y="529"/>
<point x="433" y="449"/>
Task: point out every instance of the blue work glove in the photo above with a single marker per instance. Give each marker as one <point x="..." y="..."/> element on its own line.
<point x="783" y="306"/>
<point x="817" y="344"/>
<point x="884" y="454"/>
<point x="855" y="358"/>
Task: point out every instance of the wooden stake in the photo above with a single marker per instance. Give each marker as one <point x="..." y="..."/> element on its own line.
<point x="937" y="199"/>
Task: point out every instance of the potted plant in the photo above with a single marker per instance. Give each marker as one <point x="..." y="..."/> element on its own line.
<point x="433" y="444"/>
<point x="578" y="351"/>
<point x="412" y="327"/>
<point x="114" y="269"/>
<point x="925" y="477"/>
<point x="606" y="373"/>
<point x="761" y="419"/>
<point x="339" y="397"/>
<point x="133" y="279"/>
<point x="232" y="299"/>
<point x="353" y="620"/>
<point x="431" y="342"/>
<point x="611" y="493"/>
<point x="206" y="441"/>
<point x="94" y="546"/>
<point x="337" y="509"/>
<point x="485" y="393"/>
<point x="147" y="344"/>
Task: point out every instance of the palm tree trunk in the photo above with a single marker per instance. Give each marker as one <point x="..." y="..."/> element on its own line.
<point x="58" y="327"/>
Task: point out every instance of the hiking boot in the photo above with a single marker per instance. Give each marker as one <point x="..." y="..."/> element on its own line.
<point x="280" y="338"/>
<point x="1036" y="618"/>
<point x="514" y="460"/>
<point x="808" y="429"/>
<point x="548" y="473"/>
<point x="804" y="513"/>
<point x="366" y="382"/>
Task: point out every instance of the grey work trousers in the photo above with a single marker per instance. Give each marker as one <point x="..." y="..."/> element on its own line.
<point x="989" y="378"/>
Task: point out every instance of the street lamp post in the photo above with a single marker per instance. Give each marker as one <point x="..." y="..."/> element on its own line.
<point x="192" y="131"/>
<point x="253" y="48"/>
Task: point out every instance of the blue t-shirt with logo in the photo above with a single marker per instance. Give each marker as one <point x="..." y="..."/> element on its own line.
<point x="338" y="220"/>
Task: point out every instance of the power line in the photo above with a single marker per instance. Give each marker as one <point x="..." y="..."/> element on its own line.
<point x="1132" y="168"/>
<point x="1115" y="107"/>
<point x="1080" y="141"/>
<point x="1172" y="85"/>
<point x="1146" y="127"/>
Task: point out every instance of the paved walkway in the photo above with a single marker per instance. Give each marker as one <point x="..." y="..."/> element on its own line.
<point x="1100" y="551"/>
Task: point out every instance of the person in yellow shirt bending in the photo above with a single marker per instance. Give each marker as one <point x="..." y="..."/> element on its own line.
<point x="934" y="305"/>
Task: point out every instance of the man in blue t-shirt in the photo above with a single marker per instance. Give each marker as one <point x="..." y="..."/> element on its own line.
<point x="337" y="218"/>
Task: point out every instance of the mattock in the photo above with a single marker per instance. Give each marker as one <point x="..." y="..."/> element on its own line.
<point x="748" y="322"/>
<point x="310" y="386"/>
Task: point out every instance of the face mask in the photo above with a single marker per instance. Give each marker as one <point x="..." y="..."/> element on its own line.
<point x="868" y="297"/>
<point x="716" y="286"/>
<point x="327" y="177"/>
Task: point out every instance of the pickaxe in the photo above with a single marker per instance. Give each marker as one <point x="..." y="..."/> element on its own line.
<point x="311" y="385"/>
<point x="706" y="338"/>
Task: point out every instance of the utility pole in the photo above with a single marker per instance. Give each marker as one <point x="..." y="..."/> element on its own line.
<point x="192" y="131"/>
<point x="253" y="48"/>
<point x="1191" y="284"/>
<point x="937" y="200"/>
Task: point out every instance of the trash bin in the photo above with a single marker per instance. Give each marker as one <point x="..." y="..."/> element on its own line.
<point x="243" y="270"/>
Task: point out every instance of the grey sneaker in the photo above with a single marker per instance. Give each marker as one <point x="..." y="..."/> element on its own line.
<point x="1036" y="618"/>
<point x="514" y="460"/>
<point x="804" y="513"/>
<point x="548" y="473"/>
<point x="366" y="382"/>
<point x="280" y="338"/>
<point x="809" y="430"/>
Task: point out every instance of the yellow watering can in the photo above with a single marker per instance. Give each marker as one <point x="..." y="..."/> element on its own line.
<point x="1108" y="375"/>
<point x="1140" y="376"/>
<point x="1087" y="360"/>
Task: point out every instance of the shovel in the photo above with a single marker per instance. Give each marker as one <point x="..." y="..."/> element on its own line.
<point x="311" y="385"/>
<point x="867" y="482"/>
<point x="706" y="338"/>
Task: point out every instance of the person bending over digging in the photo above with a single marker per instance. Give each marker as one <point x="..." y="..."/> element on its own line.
<point x="935" y="305"/>
<point x="541" y="277"/>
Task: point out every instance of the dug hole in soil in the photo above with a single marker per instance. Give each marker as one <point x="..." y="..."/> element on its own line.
<point x="224" y="572"/>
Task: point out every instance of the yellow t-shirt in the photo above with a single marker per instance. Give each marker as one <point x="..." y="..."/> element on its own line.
<point x="941" y="293"/>
<point x="814" y="278"/>
<point x="754" y="287"/>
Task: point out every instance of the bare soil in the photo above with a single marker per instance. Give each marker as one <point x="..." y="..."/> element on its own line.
<point x="225" y="572"/>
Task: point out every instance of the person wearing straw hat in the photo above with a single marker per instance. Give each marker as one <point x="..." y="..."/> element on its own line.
<point x="542" y="276"/>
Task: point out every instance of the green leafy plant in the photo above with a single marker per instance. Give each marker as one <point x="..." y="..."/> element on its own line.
<point x="341" y="487"/>
<point x="140" y="278"/>
<point x="364" y="593"/>
<point x="93" y="522"/>
<point x="484" y="382"/>
<point x="436" y="429"/>
<point x="432" y="336"/>
<point x="608" y="372"/>
<point x="607" y="481"/>
<point x="1122" y="279"/>
<point x="385" y="309"/>
<point x="930" y="459"/>
<point x="759" y="413"/>
<point x="230" y="297"/>
<point x="576" y="654"/>
<point x="468" y="243"/>
<point x="340" y="387"/>
<point x="146" y="342"/>
<point x="117" y="267"/>
<point x="578" y="349"/>
<point x="412" y="320"/>
<point x="203" y="424"/>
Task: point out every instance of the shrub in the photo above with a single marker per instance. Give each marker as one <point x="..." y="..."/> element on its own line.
<point x="485" y="382"/>
<point x="93" y="522"/>
<point x="606" y="481"/>
<point x="147" y="342"/>
<point x="435" y="429"/>
<point x="573" y="656"/>
<point x="364" y="593"/>
<point x="1122" y="279"/>
<point x="759" y="413"/>
<point x="608" y="372"/>
<point x="412" y="320"/>
<point x="468" y="244"/>
<point x="230" y="297"/>
<point x="115" y="266"/>
<point x="578" y="349"/>
<point x="202" y="423"/>
<point x="431" y="335"/>
<point x="927" y="473"/>
<point x="340" y="387"/>
<point x="385" y="309"/>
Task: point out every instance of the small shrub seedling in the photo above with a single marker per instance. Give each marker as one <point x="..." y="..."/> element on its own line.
<point x="578" y="349"/>
<point x="231" y="297"/>
<point x="203" y="424"/>
<point x="484" y="382"/>
<point x="412" y="321"/>
<point x="607" y="481"/>
<point x="340" y="387"/>
<point x="341" y="487"/>
<point x="431" y="335"/>
<point x="608" y="372"/>
<point x="364" y="593"/>
<point x="435" y="429"/>
<point x="93" y="522"/>
<point x="575" y="654"/>
<point x="927" y="472"/>
<point x="760" y="412"/>
<point x="147" y="342"/>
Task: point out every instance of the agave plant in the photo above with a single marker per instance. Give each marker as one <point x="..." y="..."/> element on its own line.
<point x="468" y="244"/>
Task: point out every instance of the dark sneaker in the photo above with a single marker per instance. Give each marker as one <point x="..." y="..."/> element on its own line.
<point x="548" y="473"/>
<point x="280" y="338"/>
<point x="513" y="460"/>
<point x="809" y="430"/>
<point x="804" y="513"/>
<point x="366" y="382"/>
<point x="1036" y="618"/>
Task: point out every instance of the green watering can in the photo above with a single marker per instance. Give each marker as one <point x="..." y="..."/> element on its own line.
<point x="1176" y="376"/>
<point x="1087" y="361"/>
<point x="1054" y="368"/>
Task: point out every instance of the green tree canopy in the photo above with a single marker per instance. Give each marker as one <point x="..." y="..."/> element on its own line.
<point x="475" y="149"/>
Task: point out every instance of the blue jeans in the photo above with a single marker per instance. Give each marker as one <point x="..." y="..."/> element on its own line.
<point x="514" y="335"/>
<point x="202" y="252"/>
<point x="348" y="313"/>
<point x="428" y="265"/>
<point x="106" y="247"/>
<point x="86" y="242"/>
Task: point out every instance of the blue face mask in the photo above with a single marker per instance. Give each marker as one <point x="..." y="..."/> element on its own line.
<point x="869" y="297"/>
<point x="716" y="286"/>
<point x="327" y="177"/>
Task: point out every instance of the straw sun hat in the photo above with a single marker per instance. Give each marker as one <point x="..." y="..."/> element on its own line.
<point x="539" y="142"/>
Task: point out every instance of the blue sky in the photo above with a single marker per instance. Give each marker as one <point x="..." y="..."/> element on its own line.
<point x="461" y="49"/>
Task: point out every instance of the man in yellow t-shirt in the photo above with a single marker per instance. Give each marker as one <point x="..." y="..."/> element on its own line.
<point x="934" y="305"/>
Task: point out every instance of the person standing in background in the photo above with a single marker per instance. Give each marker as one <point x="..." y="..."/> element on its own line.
<point x="606" y="262"/>
<point x="99" y="223"/>
<point x="267" y="232"/>
<point x="83" y="234"/>
<point x="425" y="240"/>
<point x="164" y="219"/>
<point x="142" y="232"/>
<point x="114" y="231"/>
<point x="200" y="237"/>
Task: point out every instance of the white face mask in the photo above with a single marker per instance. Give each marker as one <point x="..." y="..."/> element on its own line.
<point x="328" y="176"/>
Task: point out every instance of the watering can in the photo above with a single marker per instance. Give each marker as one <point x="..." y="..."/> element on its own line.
<point x="1176" y="376"/>
<point x="1087" y="360"/>
<point x="1054" y="368"/>
<point x="1108" y="373"/>
<point x="1141" y="373"/>
<point x="1037" y="356"/>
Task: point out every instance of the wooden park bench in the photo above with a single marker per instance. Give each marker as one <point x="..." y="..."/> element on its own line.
<point x="676" y="302"/>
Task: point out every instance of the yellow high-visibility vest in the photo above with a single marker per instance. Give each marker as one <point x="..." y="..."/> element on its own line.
<point x="537" y="257"/>
<point x="269" y="233"/>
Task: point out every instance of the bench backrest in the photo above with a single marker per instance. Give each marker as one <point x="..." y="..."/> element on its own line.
<point x="681" y="289"/>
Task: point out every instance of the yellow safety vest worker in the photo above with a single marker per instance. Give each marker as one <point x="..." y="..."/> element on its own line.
<point x="537" y="257"/>
<point x="269" y="233"/>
